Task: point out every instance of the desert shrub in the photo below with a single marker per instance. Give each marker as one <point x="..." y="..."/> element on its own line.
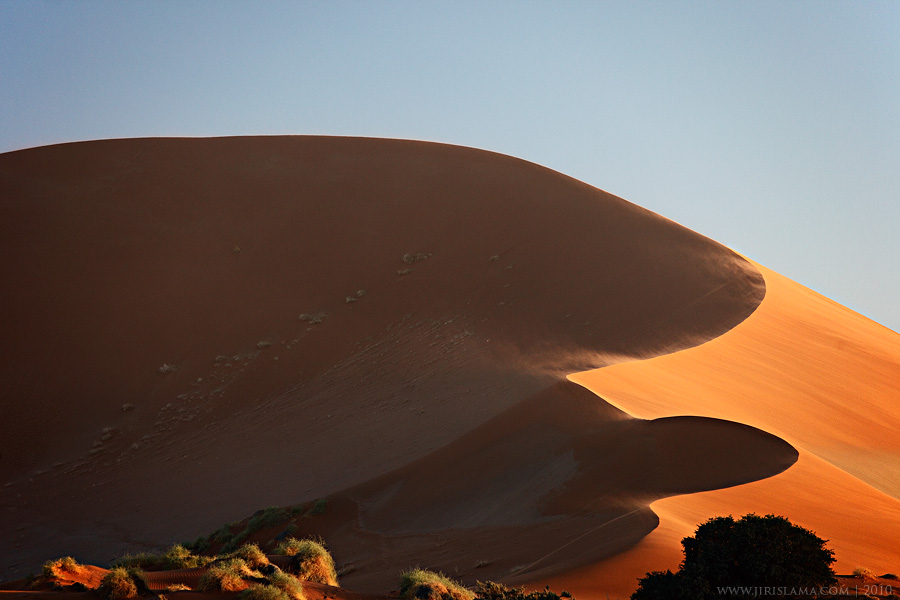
<point x="179" y="557"/>
<point x="864" y="573"/>
<point x="491" y="590"/>
<point x="263" y="592"/>
<point x="267" y="518"/>
<point x="310" y="560"/>
<point x="201" y="544"/>
<point x="224" y="535"/>
<point x="149" y="561"/>
<point x="665" y="585"/>
<point x="753" y="551"/>
<point x="176" y="557"/>
<point x="226" y="576"/>
<point x="122" y="584"/>
<point x="420" y="584"/>
<point x="261" y="519"/>
<point x="66" y="564"/>
<point x="319" y="507"/>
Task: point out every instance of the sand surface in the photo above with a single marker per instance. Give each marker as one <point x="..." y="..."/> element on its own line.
<point x="812" y="372"/>
<point x="425" y="335"/>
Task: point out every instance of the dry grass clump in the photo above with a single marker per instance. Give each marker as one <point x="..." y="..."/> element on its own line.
<point x="251" y="555"/>
<point x="261" y="519"/>
<point x="263" y="592"/>
<point x="310" y="562"/>
<point x="176" y="557"/>
<point x="149" y="561"/>
<point x="864" y="573"/>
<point x="288" y="584"/>
<point x="288" y="546"/>
<point x="491" y="590"/>
<point x="121" y="584"/>
<point x="226" y="576"/>
<point x="179" y="557"/>
<point x="66" y="564"/>
<point x="279" y="586"/>
<point x="420" y="584"/>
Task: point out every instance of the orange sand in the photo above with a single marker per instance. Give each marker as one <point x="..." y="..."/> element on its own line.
<point x="807" y="369"/>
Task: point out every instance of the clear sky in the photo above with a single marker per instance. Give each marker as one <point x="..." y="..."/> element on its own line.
<point x="772" y="127"/>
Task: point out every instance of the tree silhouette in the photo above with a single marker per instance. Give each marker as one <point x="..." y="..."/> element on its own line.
<point x="752" y="556"/>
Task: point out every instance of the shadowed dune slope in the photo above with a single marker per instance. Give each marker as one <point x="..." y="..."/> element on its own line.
<point x="197" y="328"/>
<point x="555" y="483"/>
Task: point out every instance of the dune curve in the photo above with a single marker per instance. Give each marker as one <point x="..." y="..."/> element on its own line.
<point x="806" y="369"/>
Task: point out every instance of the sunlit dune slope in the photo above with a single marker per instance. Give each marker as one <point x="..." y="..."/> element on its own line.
<point x="197" y="328"/>
<point x="801" y="367"/>
<point x="860" y="524"/>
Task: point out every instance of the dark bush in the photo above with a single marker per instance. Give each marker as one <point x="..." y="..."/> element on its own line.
<point x="754" y="553"/>
<point x="491" y="590"/>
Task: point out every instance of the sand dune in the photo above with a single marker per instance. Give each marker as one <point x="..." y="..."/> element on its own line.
<point x="155" y="340"/>
<point x="198" y="328"/>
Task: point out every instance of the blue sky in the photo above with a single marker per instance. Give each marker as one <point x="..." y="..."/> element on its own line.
<point x="772" y="127"/>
